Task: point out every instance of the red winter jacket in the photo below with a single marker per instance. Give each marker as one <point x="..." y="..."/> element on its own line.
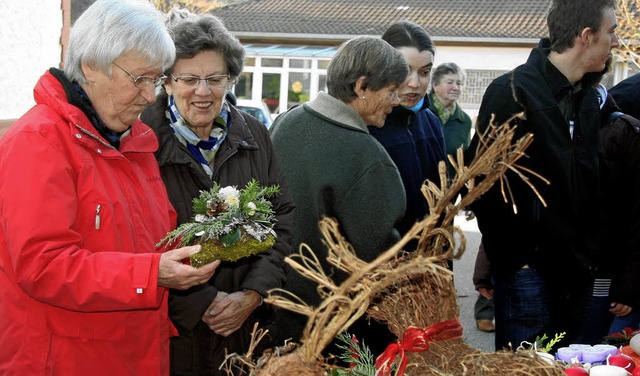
<point x="79" y="221"/>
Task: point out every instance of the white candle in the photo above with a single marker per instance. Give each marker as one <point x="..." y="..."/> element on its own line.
<point x="606" y="370"/>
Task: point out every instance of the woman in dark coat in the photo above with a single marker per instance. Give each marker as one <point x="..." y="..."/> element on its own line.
<point x="412" y="134"/>
<point x="204" y="139"/>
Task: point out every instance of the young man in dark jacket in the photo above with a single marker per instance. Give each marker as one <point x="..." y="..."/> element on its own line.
<point x="542" y="255"/>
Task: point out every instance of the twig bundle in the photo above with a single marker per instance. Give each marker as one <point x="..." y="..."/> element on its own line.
<point x="403" y="288"/>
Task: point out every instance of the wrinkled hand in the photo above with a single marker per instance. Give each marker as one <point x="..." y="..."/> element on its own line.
<point x="228" y="312"/>
<point x="619" y="309"/>
<point x="487" y="293"/>
<point x="174" y="274"/>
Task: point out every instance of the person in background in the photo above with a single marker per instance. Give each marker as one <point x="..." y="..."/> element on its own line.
<point x="626" y="94"/>
<point x="412" y="134"/>
<point x="543" y="257"/>
<point x="620" y="137"/>
<point x="205" y="139"/>
<point x="336" y="169"/>
<point x="448" y="79"/>
<point x="483" y="310"/>
<point x="83" y="289"/>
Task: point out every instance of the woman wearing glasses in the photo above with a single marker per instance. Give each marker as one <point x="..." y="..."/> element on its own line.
<point x="83" y="290"/>
<point x="205" y="139"/>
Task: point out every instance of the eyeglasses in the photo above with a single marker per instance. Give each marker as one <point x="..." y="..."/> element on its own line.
<point x="143" y="81"/>
<point x="215" y="81"/>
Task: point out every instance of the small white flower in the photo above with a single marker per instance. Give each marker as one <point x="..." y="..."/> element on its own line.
<point x="200" y="218"/>
<point x="232" y="201"/>
<point x="225" y="192"/>
<point x="252" y="209"/>
<point x="230" y="195"/>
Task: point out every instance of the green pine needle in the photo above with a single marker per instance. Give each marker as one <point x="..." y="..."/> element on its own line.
<point x="227" y="223"/>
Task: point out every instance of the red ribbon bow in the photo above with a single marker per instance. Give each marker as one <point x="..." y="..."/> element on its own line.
<point x="416" y="339"/>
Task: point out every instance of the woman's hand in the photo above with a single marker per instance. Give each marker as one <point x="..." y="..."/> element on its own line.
<point x="619" y="309"/>
<point x="174" y="274"/>
<point x="485" y="292"/>
<point x="228" y="312"/>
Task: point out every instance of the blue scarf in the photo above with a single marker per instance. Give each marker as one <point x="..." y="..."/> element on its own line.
<point x="204" y="151"/>
<point x="417" y="107"/>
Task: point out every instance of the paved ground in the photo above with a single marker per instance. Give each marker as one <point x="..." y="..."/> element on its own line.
<point x="463" y="271"/>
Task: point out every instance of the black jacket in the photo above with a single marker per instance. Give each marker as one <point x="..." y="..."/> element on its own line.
<point x="627" y="95"/>
<point x="246" y="153"/>
<point x="562" y="238"/>
<point x="621" y="201"/>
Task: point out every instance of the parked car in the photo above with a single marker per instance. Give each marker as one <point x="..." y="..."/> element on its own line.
<point x="257" y="109"/>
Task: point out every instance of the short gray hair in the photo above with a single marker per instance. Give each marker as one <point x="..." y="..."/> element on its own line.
<point x="371" y="57"/>
<point x="194" y="33"/>
<point x="110" y="28"/>
<point x="444" y="69"/>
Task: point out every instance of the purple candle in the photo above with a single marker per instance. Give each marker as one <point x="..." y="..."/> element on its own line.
<point x="569" y="355"/>
<point x="593" y="355"/>
<point x="610" y="349"/>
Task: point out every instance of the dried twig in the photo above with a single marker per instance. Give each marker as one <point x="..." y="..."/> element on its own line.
<point x="401" y="288"/>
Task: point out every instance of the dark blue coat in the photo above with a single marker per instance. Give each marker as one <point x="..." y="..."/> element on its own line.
<point x="415" y="143"/>
<point x="627" y="95"/>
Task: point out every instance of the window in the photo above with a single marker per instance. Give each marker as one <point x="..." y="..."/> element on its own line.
<point x="300" y="63"/>
<point x="283" y="75"/>
<point x="268" y="62"/>
<point x="243" y="86"/>
<point x="475" y="85"/>
<point x="299" y="88"/>
<point x="271" y="91"/>
<point x="323" y="64"/>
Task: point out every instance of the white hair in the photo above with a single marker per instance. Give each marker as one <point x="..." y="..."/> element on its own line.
<point x="110" y="28"/>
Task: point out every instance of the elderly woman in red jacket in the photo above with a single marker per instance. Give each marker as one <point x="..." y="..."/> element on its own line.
<point x="83" y="289"/>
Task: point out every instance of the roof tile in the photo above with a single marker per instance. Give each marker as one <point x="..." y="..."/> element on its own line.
<point x="441" y="18"/>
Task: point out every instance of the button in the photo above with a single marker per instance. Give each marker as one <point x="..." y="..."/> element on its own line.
<point x="99" y="151"/>
<point x="138" y="290"/>
<point x="78" y="135"/>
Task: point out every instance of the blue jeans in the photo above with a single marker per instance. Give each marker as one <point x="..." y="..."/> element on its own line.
<point x="521" y="308"/>
<point x="596" y="322"/>
<point x="631" y="320"/>
<point x="528" y="306"/>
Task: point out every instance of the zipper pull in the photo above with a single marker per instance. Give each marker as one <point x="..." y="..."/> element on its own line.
<point x="98" y="217"/>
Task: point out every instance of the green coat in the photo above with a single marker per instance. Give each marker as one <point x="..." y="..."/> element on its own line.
<point x="457" y="132"/>
<point x="335" y="168"/>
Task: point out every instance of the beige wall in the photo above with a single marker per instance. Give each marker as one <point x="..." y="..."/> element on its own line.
<point x="30" y="34"/>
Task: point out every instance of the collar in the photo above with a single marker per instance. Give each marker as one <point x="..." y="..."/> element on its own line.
<point x="336" y="111"/>
<point x="558" y="82"/>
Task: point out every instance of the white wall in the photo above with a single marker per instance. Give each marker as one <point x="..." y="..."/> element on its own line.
<point x="482" y="58"/>
<point x="485" y="58"/>
<point x="30" y="32"/>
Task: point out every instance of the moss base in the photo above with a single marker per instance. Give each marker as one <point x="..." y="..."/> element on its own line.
<point x="245" y="247"/>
